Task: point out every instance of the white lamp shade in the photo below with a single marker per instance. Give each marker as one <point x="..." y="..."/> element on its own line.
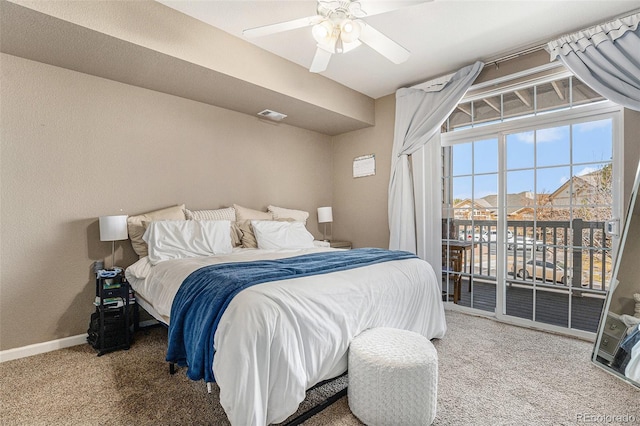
<point x="322" y="32"/>
<point x="325" y="214"/>
<point x="113" y="228"/>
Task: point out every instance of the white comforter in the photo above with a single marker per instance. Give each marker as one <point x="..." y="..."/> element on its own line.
<point x="632" y="370"/>
<point x="277" y="339"/>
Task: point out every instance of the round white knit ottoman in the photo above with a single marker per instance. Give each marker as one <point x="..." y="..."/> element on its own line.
<point x="393" y="378"/>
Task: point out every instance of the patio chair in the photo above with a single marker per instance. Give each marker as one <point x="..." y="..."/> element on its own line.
<point x="454" y="268"/>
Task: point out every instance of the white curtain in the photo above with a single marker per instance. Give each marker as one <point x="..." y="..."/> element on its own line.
<point x="606" y="58"/>
<point x="426" y="168"/>
<point x="419" y="114"/>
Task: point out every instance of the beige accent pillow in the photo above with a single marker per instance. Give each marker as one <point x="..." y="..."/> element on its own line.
<point x="236" y="234"/>
<point x="248" y="236"/>
<point x="282" y="213"/>
<point x="244" y="213"/>
<point x="136" y="227"/>
<point x="228" y="213"/>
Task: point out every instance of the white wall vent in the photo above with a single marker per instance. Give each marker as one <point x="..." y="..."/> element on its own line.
<point x="272" y="115"/>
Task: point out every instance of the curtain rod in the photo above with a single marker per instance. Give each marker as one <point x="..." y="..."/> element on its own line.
<point x="544" y="45"/>
<point x="516" y="54"/>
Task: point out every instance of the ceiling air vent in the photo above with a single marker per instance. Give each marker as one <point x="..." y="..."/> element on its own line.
<point x="272" y="115"/>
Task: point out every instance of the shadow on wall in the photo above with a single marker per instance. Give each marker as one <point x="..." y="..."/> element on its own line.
<point x="77" y="277"/>
<point x="81" y="307"/>
<point x="78" y="310"/>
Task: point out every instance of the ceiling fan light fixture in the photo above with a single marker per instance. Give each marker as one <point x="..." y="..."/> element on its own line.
<point x="348" y="47"/>
<point x="323" y="31"/>
<point x="349" y="31"/>
<point x="337" y="27"/>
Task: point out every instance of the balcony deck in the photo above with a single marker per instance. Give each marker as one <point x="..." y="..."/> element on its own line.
<point x="552" y="307"/>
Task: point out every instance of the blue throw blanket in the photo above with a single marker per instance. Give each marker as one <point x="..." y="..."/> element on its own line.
<point x="205" y="294"/>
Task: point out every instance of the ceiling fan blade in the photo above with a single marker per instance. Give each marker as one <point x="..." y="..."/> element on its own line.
<point x="281" y="26"/>
<point x="383" y="44"/>
<point x="320" y="60"/>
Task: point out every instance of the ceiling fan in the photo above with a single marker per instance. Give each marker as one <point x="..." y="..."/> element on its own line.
<point x="337" y="28"/>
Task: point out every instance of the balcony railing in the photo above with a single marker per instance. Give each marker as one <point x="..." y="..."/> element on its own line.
<point x="556" y="254"/>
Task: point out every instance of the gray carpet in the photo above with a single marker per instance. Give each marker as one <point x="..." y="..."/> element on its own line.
<point x="490" y="374"/>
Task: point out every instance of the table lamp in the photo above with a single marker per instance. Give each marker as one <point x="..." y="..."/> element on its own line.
<point x="325" y="215"/>
<point x="113" y="228"/>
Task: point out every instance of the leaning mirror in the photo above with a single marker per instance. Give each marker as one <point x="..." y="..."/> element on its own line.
<point x="617" y="347"/>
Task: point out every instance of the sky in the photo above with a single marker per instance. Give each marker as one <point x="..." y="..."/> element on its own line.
<point x="589" y="145"/>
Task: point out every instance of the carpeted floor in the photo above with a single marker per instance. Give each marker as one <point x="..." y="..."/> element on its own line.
<point x="489" y="374"/>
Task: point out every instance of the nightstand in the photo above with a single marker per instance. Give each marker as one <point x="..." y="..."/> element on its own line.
<point x="340" y="244"/>
<point x="612" y="335"/>
<point x="110" y="325"/>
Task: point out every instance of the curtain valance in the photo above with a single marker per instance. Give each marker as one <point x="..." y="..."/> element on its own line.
<point x="606" y="58"/>
<point x="593" y="36"/>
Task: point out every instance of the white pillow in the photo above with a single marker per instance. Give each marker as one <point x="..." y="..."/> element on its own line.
<point x="281" y="235"/>
<point x="140" y="270"/>
<point x="180" y="239"/>
<point x="282" y="213"/>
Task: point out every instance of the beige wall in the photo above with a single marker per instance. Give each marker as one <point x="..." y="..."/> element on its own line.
<point x="75" y="147"/>
<point x="360" y="204"/>
<point x="629" y="283"/>
<point x="631" y="151"/>
<point x="622" y="301"/>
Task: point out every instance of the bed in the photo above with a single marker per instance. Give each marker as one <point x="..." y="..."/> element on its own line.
<point x="276" y="339"/>
<point x="630" y="366"/>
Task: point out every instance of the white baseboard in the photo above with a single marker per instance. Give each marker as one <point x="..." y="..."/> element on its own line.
<point x="53" y="345"/>
<point x="40" y="348"/>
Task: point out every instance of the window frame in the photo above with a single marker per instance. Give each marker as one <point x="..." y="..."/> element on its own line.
<point x="533" y="78"/>
<point x="568" y="116"/>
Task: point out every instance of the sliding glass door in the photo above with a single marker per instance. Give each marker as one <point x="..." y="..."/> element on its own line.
<point x="473" y="177"/>
<point x="525" y="210"/>
<point x="559" y="258"/>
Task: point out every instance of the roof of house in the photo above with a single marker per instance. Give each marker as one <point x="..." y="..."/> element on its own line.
<point x="524" y="199"/>
<point x="592" y="179"/>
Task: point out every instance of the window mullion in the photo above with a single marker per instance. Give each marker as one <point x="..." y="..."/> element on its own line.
<point x="501" y="255"/>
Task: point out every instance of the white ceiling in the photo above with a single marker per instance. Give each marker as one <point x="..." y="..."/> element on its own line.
<point x="442" y="35"/>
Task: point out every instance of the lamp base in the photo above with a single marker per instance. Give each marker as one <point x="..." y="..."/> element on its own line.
<point x="324" y="234"/>
<point x="113" y="254"/>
